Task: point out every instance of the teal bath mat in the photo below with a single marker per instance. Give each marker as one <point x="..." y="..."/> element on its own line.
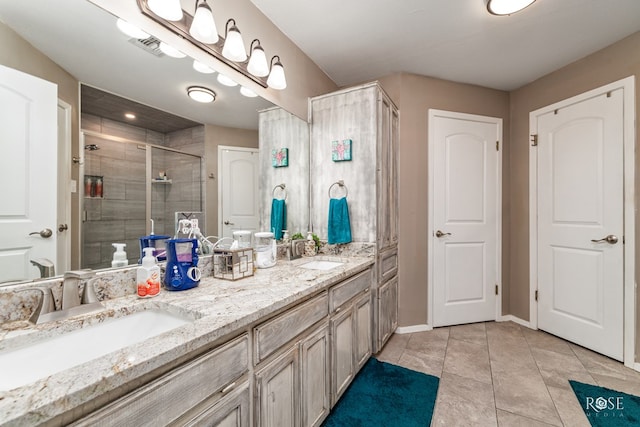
<point x="383" y="394"/>
<point x="605" y="407"/>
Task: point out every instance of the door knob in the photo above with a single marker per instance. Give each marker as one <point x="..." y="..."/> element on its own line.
<point x="610" y="239"/>
<point x="228" y="223"/>
<point x="441" y="234"/>
<point x="45" y="234"/>
<point x="63" y="227"/>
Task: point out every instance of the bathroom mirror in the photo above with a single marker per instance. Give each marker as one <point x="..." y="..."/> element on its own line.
<point x="83" y="40"/>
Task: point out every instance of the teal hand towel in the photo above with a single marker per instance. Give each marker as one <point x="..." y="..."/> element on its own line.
<point x="339" y="224"/>
<point x="278" y="218"/>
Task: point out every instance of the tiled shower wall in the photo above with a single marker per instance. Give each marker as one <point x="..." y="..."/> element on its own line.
<point x="120" y="215"/>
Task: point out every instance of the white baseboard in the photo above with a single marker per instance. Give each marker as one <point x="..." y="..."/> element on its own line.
<point x="636" y="367"/>
<point x="514" y="319"/>
<point x="412" y="329"/>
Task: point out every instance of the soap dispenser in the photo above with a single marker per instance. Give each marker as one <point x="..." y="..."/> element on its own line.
<point x="148" y="275"/>
<point x="119" y="256"/>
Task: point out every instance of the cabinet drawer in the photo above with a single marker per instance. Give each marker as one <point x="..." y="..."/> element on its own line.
<point x="274" y="333"/>
<point x="387" y="265"/>
<point x="164" y="400"/>
<point x="344" y="291"/>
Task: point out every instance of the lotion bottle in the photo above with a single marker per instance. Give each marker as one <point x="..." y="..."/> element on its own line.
<point x="119" y="256"/>
<point x="148" y="275"/>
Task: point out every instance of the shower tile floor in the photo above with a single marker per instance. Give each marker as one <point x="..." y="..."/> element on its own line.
<point x="504" y="374"/>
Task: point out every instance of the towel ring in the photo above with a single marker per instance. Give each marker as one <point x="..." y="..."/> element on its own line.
<point x="341" y="185"/>
<point x="283" y="188"/>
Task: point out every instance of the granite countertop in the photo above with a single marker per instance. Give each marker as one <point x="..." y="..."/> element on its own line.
<point x="218" y="307"/>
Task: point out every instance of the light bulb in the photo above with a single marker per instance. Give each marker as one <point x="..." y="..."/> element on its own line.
<point x="171" y="51"/>
<point x="203" y="28"/>
<point x="258" y="62"/>
<point x="167" y="9"/>
<point x="201" y="68"/>
<point x="233" y="48"/>
<point x="131" y="30"/>
<point x="227" y="81"/>
<point x="247" y="92"/>
<point x="276" y="78"/>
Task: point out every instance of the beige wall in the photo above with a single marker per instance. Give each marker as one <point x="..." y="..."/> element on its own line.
<point x="415" y="95"/>
<point x="213" y="137"/>
<point x="17" y="53"/>
<point x="615" y="62"/>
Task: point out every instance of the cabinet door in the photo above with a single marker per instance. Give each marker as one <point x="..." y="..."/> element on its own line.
<point x="277" y="391"/>
<point x="387" y="310"/>
<point x="363" y="329"/>
<point x="342" y="340"/>
<point x="231" y="411"/>
<point x="314" y="377"/>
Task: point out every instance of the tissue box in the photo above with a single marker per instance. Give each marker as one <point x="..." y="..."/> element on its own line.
<point x="232" y="264"/>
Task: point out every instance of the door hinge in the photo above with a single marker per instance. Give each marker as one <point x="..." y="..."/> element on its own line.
<point x="534" y="140"/>
<point x="497" y="145"/>
<point x="536" y="295"/>
<point x="496" y="289"/>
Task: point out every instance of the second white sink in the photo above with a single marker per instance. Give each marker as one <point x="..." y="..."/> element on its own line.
<point x="321" y="265"/>
<point x="25" y="365"/>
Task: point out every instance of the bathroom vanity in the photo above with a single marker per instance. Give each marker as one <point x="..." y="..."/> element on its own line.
<point x="275" y="349"/>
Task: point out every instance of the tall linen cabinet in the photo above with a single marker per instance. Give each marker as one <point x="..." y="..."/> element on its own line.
<point x="364" y="118"/>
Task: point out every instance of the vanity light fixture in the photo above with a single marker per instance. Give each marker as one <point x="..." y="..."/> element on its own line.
<point x="227" y="81"/>
<point x="507" y="7"/>
<point x="203" y="27"/>
<point x="167" y="9"/>
<point x="258" y="60"/>
<point x="233" y="44"/>
<point x="171" y="51"/>
<point x="276" y="78"/>
<point x="131" y="30"/>
<point x="201" y="94"/>
<point x="201" y="68"/>
<point x="247" y="92"/>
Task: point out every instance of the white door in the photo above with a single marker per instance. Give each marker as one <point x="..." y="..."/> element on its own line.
<point x="465" y="165"/>
<point x="580" y="222"/>
<point x="238" y="189"/>
<point x="28" y="189"/>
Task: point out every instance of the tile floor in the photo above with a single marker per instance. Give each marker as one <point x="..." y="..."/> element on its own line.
<point x="504" y="374"/>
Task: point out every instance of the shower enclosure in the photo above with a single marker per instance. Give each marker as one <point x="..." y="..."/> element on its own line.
<point x="127" y="183"/>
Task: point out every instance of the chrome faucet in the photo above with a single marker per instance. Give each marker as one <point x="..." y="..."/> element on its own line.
<point x="72" y="304"/>
<point x="46" y="267"/>
<point x="70" y="289"/>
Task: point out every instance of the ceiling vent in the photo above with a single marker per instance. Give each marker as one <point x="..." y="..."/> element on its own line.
<point x="151" y="45"/>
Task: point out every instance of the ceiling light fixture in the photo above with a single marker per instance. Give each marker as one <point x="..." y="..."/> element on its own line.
<point x="200" y="30"/>
<point x="507" y="7"/>
<point x="201" y="94"/>
<point x="227" y="81"/>
<point x="203" y="27"/>
<point x="258" y="60"/>
<point x="233" y="44"/>
<point x="247" y="92"/>
<point x="167" y="9"/>
<point x="276" y="78"/>
<point x="130" y="116"/>
<point x="131" y="30"/>
<point x="201" y="68"/>
<point x="171" y="51"/>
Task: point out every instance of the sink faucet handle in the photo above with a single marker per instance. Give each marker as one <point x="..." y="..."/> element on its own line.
<point x="89" y="294"/>
<point x="45" y="303"/>
<point x="70" y="286"/>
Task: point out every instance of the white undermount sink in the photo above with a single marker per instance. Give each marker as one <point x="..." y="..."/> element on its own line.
<point x="27" y="364"/>
<point x="321" y="265"/>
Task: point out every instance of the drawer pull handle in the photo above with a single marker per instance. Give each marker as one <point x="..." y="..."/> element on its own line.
<point x="338" y="309"/>
<point x="366" y="290"/>
<point x="228" y="388"/>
